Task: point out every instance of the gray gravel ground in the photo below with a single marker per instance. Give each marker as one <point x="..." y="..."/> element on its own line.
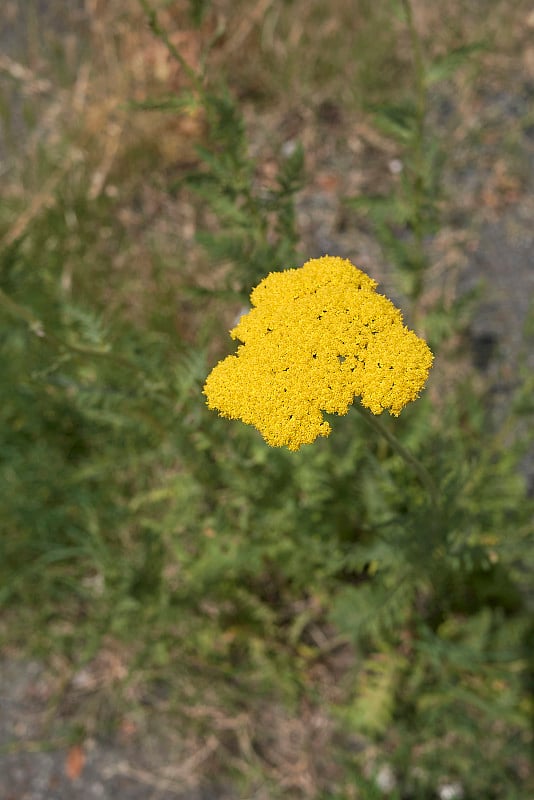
<point x="34" y="763"/>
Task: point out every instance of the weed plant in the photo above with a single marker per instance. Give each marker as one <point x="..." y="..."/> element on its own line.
<point x="237" y="578"/>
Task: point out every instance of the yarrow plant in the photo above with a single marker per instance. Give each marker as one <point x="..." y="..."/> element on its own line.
<point x="316" y="338"/>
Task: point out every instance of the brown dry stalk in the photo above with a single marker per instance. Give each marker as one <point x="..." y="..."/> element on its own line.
<point x="44" y="199"/>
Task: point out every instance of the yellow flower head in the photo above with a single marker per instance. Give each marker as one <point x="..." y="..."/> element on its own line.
<point x="316" y="337"/>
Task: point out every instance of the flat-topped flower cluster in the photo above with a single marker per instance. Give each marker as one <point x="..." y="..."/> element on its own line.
<point x="316" y="338"/>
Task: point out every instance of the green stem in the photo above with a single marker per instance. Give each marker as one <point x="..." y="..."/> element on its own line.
<point x="419" y="64"/>
<point x="163" y="36"/>
<point x="418" y="147"/>
<point x="421" y="471"/>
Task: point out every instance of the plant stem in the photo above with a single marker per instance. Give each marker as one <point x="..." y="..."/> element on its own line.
<point x="421" y="471"/>
<point x="163" y="36"/>
<point x="418" y="187"/>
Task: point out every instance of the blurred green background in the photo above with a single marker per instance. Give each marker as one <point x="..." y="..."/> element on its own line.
<point x="314" y="617"/>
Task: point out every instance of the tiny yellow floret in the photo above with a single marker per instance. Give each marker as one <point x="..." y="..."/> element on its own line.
<point x="316" y="338"/>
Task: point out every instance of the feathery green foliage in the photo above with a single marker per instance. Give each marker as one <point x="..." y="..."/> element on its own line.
<point x="233" y="571"/>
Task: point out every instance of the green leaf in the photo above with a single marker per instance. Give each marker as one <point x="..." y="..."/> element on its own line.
<point x="197" y="10"/>
<point x="396" y="120"/>
<point x="291" y="173"/>
<point x="443" y="68"/>
<point x="382" y="208"/>
<point x="372" y="709"/>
